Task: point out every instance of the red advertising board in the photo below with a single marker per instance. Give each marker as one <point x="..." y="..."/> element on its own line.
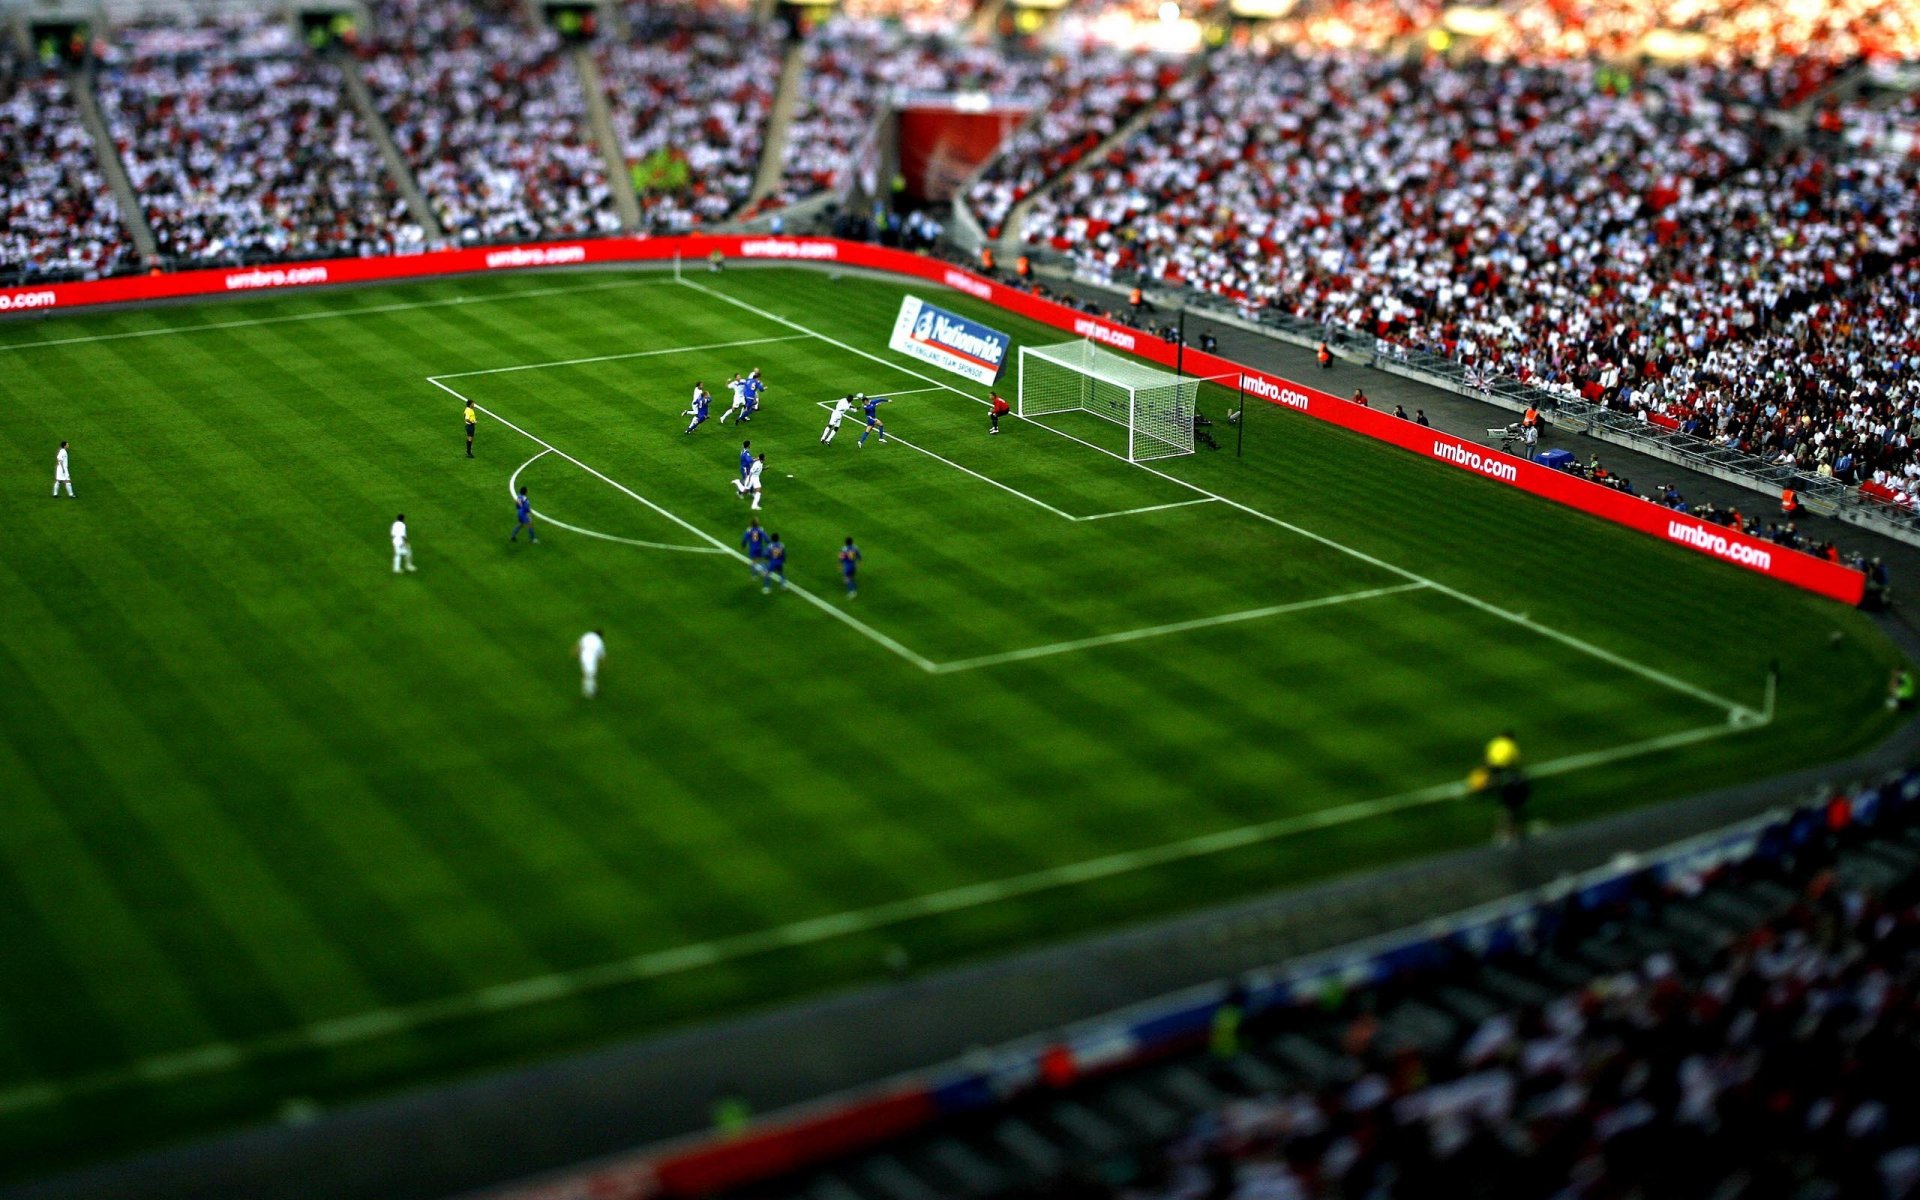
<point x="1789" y="566"/>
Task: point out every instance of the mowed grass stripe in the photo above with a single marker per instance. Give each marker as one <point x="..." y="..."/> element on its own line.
<point x="585" y="869"/>
<point x="217" y="819"/>
<point x="69" y="933"/>
<point x="460" y="848"/>
<point x="651" y="864"/>
<point x="202" y="845"/>
<point x="333" y="703"/>
<point x="986" y="894"/>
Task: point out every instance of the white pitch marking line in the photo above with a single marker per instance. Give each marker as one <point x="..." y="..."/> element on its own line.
<point x="987" y="479"/>
<point x="336" y="312"/>
<point x="1135" y="635"/>
<point x="594" y="533"/>
<point x="1134" y="512"/>
<point x="218" y="1057"/>
<point x="919" y="660"/>
<point x="1734" y="710"/>
<point x="599" y="358"/>
<point x="1129" y="512"/>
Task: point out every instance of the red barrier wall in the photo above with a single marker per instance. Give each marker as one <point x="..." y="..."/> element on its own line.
<point x="767" y="1153"/>
<point x="1789" y="566"/>
<point x="941" y="146"/>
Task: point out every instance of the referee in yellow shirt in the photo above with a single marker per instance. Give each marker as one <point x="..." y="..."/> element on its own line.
<point x="1502" y="775"/>
<point x="471" y="419"/>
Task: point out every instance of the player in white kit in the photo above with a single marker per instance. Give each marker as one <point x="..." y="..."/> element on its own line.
<point x="840" y="408"/>
<point x="591" y="649"/>
<point x="402" y="546"/>
<point x="750" y="486"/>
<point x="738" y="387"/>
<point x="60" y="475"/>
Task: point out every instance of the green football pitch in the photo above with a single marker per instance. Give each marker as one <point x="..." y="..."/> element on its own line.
<point x="277" y="823"/>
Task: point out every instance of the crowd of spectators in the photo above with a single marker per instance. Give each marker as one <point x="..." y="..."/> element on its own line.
<point x="924" y="18"/>
<point x="694" y="85"/>
<point x="1527" y="221"/>
<point x="1888" y="125"/>
<point x="853" y="67"/>
<point x="1734" y="34"/>
<point x="1778" y="1066"/>
<point x="58" y="219"/>
<point x="1832" y="388"/>
<point x="1094" y="93"/>
<point x="242" y="147"/>
<point x="490" y="115"/>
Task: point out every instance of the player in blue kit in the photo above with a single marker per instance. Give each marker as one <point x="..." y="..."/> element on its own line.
<point x="751" y="390"/>
<point x="849" y="563"/>
<point x="701" y="402"/>
<point x="776" y="564"/>
<point x="754" y="544"/>
<point x="746" y="465"/>
<point x="874" y="423"/>
<point x="523" y="514"/>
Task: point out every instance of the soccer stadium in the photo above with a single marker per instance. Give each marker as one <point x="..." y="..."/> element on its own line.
<point x="901" y="600"/>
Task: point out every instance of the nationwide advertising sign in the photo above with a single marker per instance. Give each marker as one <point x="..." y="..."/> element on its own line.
<point x="949" y="341"/>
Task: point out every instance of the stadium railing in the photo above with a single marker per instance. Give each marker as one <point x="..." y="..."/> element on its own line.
<point x="1802" y="570"/>
<point x="1762" y="475"/>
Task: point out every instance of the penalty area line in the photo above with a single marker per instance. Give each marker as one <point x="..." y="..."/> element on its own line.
<point x="1134" y="512"/>
<point x="594" y="533"/>
<point x="1014" y="491"/>
<point x="986" y="479"/>
<point x="849" y="620"/>
<point x="1154" y="631"/>
<point x="1735" y="712"/>
<point x="219" y="1058"/>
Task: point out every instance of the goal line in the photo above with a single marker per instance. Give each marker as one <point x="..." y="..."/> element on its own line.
<point x="1159" y="409"/>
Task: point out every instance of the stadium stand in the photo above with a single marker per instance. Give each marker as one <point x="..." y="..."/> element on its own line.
<point x="1529" y="222"/>
<point x="691" y="89"/>
<point x="60" y="220"/>
<point x="918" y="17"/>
<point x="851" y="69"/>
<point x="490" y="115"/>
<point x="1094" y="95"/>
<point x="1745" y="42"/>
<point x="1733" y="1018"/>
<point x="241" y="148"/>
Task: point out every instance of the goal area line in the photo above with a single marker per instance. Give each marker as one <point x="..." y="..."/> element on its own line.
<point x="1009" y="488"/>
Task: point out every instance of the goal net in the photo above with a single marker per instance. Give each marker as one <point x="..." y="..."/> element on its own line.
<point x="1155" y="406"/>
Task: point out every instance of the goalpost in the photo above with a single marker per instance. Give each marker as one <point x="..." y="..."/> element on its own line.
<point x="1156" y="407"/>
